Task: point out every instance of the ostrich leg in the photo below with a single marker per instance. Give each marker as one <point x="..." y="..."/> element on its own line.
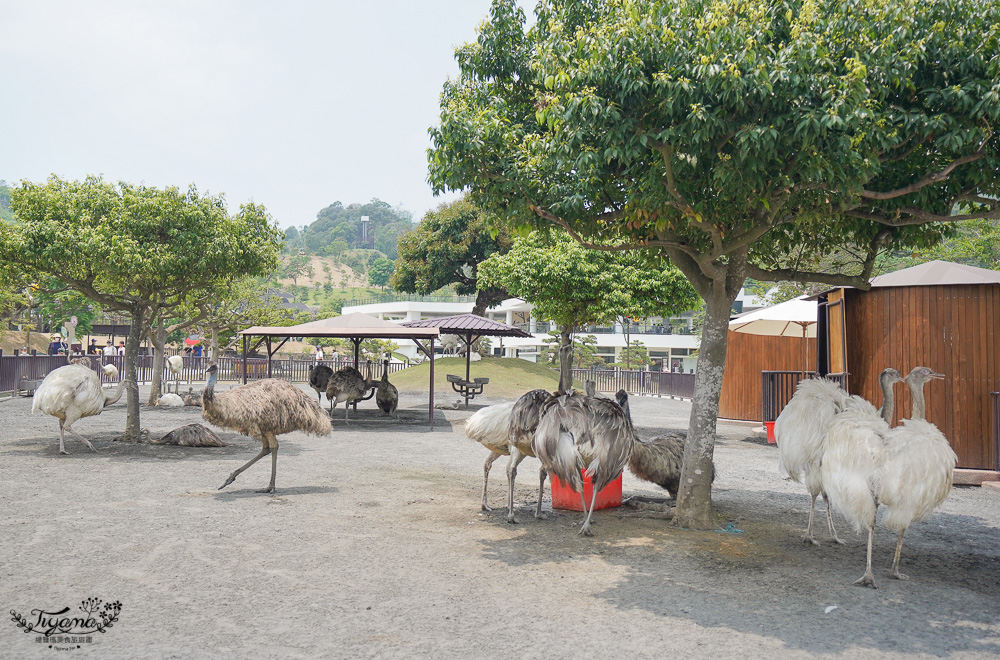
<point x="62" y="447"/>
<point x="494" y="455"/>
<point x="267" y="448"/>
<point x="829" y="520"/>
<point x="515" y="458"/>
<point x="541" y="485"/>
<point x="585" y="530"/>
<point x="868" y="579"/>
<point x="85" y="441"/>
<point x="895" y="560"/>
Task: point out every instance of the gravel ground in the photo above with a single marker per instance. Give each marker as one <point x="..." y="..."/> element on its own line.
<point x="375" y="546"/>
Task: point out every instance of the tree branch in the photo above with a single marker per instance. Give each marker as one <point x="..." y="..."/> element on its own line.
<point x="935" y="177"/>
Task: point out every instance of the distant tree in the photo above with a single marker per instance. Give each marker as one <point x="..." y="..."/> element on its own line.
<point x="634" y="356"/>
<point x="136" y="250"/>
<point x="574" y="286"/>
<point x="6" y="214"/>
<point x="296" y="267"/>
<point x="56" y="303"/>
<point x="584" y="351"/>
<point x="379" y="273"/>
<point x="446" y="248"/>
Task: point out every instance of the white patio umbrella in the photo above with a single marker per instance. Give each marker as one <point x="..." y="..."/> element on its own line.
<point x="794" y="318"/>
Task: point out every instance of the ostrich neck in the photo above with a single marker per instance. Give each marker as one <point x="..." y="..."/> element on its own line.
<point x="888" y="401"/>
<point x="116" y="394"/>
<point x="917" y="390"/>
<point x="208" y="395"/>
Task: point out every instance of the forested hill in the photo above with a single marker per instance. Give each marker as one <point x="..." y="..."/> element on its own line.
<point x="338" y="228"/>
<point x="5" y="212"/>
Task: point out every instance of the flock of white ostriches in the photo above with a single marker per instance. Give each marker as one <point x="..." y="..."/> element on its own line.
<point x="838" y="445"/>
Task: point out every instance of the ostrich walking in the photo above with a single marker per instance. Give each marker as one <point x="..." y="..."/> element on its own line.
<point x="386" y="396"/>
<point x="319" y="378"/>
<point x="263" y="410"/>
<point x="175" y="365"/>
<point x="347" y="385"/>
<point x="799" y="431"/>
<point x="489" y="427"/>
<point x="919" y="467"/>
<point x="73" y="392"/>
<point x="853" y="455"/>
<point x="576" y="431"/>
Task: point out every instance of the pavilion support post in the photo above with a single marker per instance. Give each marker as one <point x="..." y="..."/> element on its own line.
<point x="246" y="340"/>
<point x="268" y="339"/>
<point x="430" y="405"/>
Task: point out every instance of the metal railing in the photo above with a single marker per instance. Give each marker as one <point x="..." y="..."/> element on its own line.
<point x="541" y="327"/>
<point x="639" y="382"/>
<point x="778" y="387"/>
<point x="17" y="371"/>
<point x="406" y="297"/>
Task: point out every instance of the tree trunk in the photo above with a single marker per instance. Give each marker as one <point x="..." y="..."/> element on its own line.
<point x="132" y="385"/>
<point x="486" y="298"/>
<point x="158" y="338"/>
<point x="694" y="497"/>
<point x="213" y="353"/>
<point x="565" y="358"/>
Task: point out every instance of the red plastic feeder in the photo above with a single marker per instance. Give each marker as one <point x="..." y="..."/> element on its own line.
<point x="769" y="427"/>
<point x="564" y="497"/>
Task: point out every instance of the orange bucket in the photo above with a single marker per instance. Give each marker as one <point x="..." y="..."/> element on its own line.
<point x="564" y="497"/>
<point x="771" y="440"/>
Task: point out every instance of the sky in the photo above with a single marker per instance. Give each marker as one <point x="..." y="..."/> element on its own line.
<point x="293" y="105"/>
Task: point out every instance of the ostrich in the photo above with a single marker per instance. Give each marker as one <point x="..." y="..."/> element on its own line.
<point x="657" y="460"/>
<point x="853" y="455"/>
<point x="576" y="431"/>
<point x="799" y="431"/>
<point x="71" y="392"/>
<point x="524" y="418"/>
<point x="919" y="467"/>
<point x="319" y="378"/>
<point x="175" y="365"/>
<point x="387" y="396"/>
<point x="347" y="385"/>
<point x="263" y="409"/>
<point x="190" y="435"/>
<point x="489" y="427"/>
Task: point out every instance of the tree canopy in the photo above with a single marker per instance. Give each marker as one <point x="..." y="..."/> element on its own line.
<point x="740" y="139"/>
<point x="446" y="248"/>
<point x="337" y="222"/>
<point x="576" y="286"/>
<point x="135" y="249"/>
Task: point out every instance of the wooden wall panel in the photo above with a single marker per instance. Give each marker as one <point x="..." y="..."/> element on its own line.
<point x="747" y="355"/>
<point x="951" y="329"/>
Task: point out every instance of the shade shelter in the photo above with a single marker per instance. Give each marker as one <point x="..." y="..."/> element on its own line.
<point x="356" y="327"/>
<point x="470" y="327"/>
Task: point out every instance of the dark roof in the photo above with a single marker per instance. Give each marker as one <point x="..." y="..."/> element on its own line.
<point x="348" y="325"/>
<point x="462" y="324"/>
<point x="937" y="273"/>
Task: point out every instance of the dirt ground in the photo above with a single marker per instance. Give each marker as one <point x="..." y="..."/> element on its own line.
<point x="375" y="546"/>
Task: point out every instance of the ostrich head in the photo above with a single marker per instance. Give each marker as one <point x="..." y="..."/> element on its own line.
<point x="916" y="379"/>
<point x="921" y="375"/>
<point x="212" y="372"/>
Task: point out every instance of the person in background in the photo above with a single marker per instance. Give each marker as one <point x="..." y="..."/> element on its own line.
<point x="92" y="348"/>
<point x="319" y="354"/>
<point x="57" y="345"/>
<point x="121" y="348"/>
<point x="110" y="350"/>
<point x="197" y="350"/>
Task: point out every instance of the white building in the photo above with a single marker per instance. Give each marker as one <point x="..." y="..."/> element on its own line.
<point x="670" y="343"/>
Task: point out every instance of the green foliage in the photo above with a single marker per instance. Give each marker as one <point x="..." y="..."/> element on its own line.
<point x="584" y="351"/>
<point x="634" y="356"/>
<point x="575" y="286"/>
<point x="338" y="228"/>
<point x="56" y="305"/>
<point x="6" y="214"/>
<point x="295" y="268"/>
<point x="379" y="272"/>
<point x="446" y="248"/>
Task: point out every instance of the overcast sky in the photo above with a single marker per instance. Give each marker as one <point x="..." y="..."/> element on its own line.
<point x="292" y="104"/>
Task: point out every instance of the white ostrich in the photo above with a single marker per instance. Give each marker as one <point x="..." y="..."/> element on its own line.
<point x="72" y="392"/>
<point x="580" y="432"/>
<point x="852" y="462"/>
<point x="919" y="467"/>
<point x="489" y="427"/>
<point x="175" y="365"/>
<point x="799" y="431"/>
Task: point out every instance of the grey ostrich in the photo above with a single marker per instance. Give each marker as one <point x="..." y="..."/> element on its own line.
<point x="319" y="378"/>
<point x="263" y="410"/>
<point x="580" y="432"/>
<point x="386" y="396"/>
<point x="523" y="422"/>
<point x="347" y="385"/>
<point x="72" y="392"/>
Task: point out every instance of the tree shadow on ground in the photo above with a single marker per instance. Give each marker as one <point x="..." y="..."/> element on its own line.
<point x="759" y="577"/>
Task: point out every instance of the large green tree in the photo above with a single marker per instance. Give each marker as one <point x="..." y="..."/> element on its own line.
<point x="740" y="138"/>
<point x="576" y="286"/>
<point x="135" y="249"/>
<point x="446" y="248"/>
